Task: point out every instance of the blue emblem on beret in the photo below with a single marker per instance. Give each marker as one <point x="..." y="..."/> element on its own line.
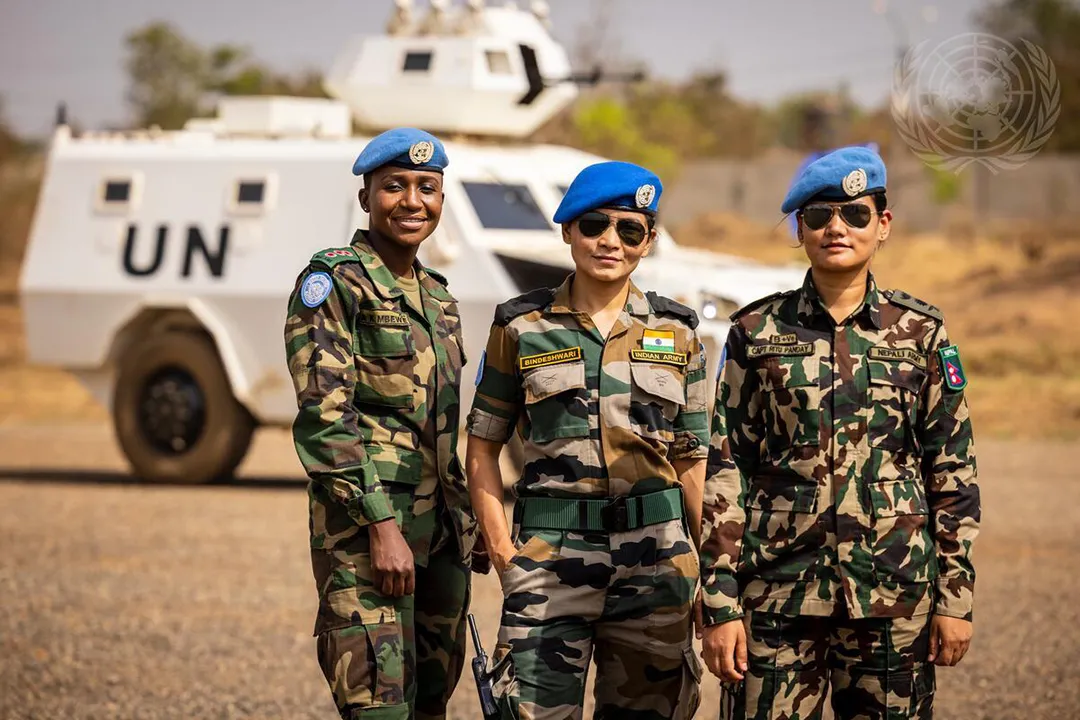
<point x="402" y="147"/>
<point x="315" y="289"/>
<point x="843" y="174"/>
<point x="612" y="184"/>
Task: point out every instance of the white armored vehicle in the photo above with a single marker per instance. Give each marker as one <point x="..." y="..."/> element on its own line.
<point x="159" y="263"/>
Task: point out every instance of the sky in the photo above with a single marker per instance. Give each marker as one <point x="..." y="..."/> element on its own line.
<point x="73" y="50"/>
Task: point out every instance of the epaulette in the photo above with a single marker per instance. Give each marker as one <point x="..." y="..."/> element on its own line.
<point x="661" y="304"/>
<point x="335" y="256"/>
<point x="532" y="300"/>
<point x="901" y="298"/>
<point x="754" y="304"/>
<point x="438" y="276"/>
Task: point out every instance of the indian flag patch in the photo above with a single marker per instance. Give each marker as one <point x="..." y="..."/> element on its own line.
<point x="659" y="341"/>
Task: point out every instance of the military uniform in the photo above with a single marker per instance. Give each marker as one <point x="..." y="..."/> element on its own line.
<point x="841" y="502"/>
<point x="377" y="383"/>
<point x="601" y="422"/>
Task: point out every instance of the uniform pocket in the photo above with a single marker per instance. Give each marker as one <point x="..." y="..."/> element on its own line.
<point x="893" y="404"/>
<point x="504" y="682"/>
<point x="360" y="651"/>
<point x="792" y="402"/>
<point x="782" y="539"/>
<point x="656" y="395"/>
<point x="557" y="402"/>
<point x="902" y="547"/>
<point x="690" y="691"/>
<point x="385" y="357"/>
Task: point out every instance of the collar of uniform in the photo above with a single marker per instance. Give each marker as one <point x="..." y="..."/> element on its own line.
<point x="381" y="277"/>
<point x="811" y="304"/>
<point x="636" y="302"/>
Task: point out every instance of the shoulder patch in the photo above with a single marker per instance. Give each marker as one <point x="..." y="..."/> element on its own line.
<point x="661" y="304"/>
<point x="439" y="277"/>
<point x="515" y="307"/>
<point x="901" y="298"/>
<point x="335" y="256"/>
<point x="315" y="288"/>
<point x="754" y="304"/>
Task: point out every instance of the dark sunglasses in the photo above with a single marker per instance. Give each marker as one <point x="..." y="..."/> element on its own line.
<point x="856" y="215"/>
<point x="593" y="224"/>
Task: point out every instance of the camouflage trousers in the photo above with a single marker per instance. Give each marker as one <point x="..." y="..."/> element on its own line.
<point x="875" y="668"/>
<point x="622" y="600"/>
<point x="389" y="658"/>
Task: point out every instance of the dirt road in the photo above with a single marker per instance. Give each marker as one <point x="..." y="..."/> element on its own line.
<point x="124" y="601"/>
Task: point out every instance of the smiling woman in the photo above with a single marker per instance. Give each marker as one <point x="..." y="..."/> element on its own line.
<point x="374" y="347"/>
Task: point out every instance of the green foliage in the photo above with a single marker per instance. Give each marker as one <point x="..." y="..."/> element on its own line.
<point x="172" y="79"/>
<point x="945" y="186"/>
<point x="8" y="142"/>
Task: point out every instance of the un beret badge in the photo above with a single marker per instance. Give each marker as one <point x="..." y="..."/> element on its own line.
<point x="421" y="152"/>
<point x="645" y="195"/>
<point x="855" y="182"/>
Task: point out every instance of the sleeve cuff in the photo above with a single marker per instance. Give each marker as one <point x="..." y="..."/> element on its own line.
<point x="952" y="603"/>
<point x="371" y="508"/>
<point x="721" y="615"/>
<point x="484" y="425"/>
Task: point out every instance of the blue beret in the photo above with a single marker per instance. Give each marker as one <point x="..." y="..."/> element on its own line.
<point x="402" y="147"/>
<point x="843" y="174"/>
<point x="612" y="184"/>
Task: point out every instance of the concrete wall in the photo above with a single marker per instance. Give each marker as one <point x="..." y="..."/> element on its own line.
<point x="1044" y="190"/>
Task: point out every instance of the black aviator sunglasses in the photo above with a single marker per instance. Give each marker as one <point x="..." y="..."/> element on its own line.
<point x="594" y="223"/>
<point x="856" y="215"/>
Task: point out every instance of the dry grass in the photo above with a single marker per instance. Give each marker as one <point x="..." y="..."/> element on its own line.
<point x="1011" y="297"/>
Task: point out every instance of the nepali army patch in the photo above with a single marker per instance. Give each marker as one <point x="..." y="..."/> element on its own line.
<point x="951" y="368"/>
<point x="315" y="289"/>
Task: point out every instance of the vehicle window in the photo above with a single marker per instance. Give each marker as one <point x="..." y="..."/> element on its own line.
<point x="498" y="62"/>
<point x="505" y="206"/>
<point x="417" y="61"/>
<point x="117" y="195"/>
<point x="251" y="196"/>
<point x="116" y="191"/>
<point x="250" y="193"/>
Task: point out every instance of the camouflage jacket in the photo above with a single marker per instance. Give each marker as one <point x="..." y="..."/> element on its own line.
<point x="841" y="473"/>
<point x="376" y="399"/>
<point x="596" y="418"/>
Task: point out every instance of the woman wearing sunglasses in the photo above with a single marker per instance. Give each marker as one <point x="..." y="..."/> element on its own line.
<point x="606" y="385"/>
<point x="841" y="503"/>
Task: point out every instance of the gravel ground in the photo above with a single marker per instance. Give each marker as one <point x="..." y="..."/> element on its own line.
<point x="124" y="601"/>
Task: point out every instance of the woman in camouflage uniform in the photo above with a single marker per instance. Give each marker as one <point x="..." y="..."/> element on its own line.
<point x="840" y="502"/>
<point x="606" y="386"/>
<point x="374" y="347"/>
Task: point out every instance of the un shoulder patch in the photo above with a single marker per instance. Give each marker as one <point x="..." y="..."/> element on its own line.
<point x="952" y="370"/>
<point x="315" y="289"/>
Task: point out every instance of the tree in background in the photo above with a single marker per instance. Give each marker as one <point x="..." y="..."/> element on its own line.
<point x="172" y="79"/>
<point x="1053" y="25"/>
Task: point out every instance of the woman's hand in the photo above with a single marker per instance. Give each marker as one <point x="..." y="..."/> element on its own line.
<point x="724" y="650"/>
<point x="392" y="568"/>
<point x="949" y="639"/>
<point x="502" y="557"/>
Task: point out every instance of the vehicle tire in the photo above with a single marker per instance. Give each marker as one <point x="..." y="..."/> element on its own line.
<point x="174" y="413"/>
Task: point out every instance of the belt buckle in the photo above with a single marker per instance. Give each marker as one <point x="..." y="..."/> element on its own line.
<point x="615" y="516"/>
